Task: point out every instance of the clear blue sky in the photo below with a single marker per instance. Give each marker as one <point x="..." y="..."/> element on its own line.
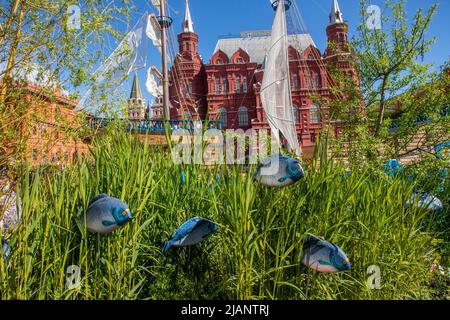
<point x="213" y="18"/>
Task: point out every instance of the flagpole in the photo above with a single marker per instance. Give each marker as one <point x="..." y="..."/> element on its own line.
<point x="165" y="22"/>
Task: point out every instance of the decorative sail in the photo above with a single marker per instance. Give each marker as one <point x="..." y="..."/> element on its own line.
<point x="275" y="89"/>
<point x="153" y="83"/>
<point x="154" y="31"/>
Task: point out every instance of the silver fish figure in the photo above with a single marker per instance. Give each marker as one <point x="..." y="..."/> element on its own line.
<point x="279" y="171"/>
<point x="324" y="256"/>
<point x="191" y="233"/>
<point x="106" y="214"/>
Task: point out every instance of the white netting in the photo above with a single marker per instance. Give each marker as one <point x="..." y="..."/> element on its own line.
<point x="275" y="90"/>
<point x="130" y="55"/>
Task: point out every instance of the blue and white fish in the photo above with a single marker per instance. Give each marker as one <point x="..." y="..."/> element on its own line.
<point x="425" y="201"/>
<point x="106" y="214"/>
<point x="324" y="256"/>
<point x="6" y="250"/>
<point x="279" y="171"/>
<point x="183" y="177"/>
<point x="191" y="233"/>
<point x="393" y="167"/>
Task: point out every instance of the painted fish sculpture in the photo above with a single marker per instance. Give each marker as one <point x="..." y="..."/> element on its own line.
<point x="324" y="256"/>
<point x="191" y="233"/>
<point x="425" y="201"/>
<point x="106" y="214"/>
<point x="279" y="171"/>
<point x="393" y="167"/>
<point x="6" y="250"/>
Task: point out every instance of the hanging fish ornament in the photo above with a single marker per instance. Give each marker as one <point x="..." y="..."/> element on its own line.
<point x="425" y="201"/>
<point x="106" y="214"/>
<point x="393" y="167"/>
<point x="279" y="171"/>
<point x="191" y="233"/>
<point x="324" y="256"/>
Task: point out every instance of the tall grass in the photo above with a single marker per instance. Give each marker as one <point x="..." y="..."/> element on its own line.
<point x="255" y="255"/>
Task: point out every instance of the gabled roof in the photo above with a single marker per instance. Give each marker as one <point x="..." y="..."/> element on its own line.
<point x="257" y="46"/>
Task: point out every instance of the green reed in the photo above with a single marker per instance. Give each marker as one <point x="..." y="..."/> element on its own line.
<point x="255" y="255"/>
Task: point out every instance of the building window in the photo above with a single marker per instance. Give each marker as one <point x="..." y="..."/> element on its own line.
<point x="295" y="81"/>
<point x="224" y="85"/>
<point x="223" y="117"/>
<point x="314" y="82"/>
<point x="240" y="60"/>
<point x="315" y="113"/>
<point x="217" y="86"/>
<point x="190" y="87"/>
<point x="244" y="85"/>
<point x="295" y="113"/>
<point x="219" y="61"/>
<point x="238" y="84"/>
<point x="243" y="117"/>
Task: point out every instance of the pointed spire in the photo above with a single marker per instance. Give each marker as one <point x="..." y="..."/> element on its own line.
<point x="188" y="25"/>
<point x="136" y="92"/>
<point x="336" y="13"/>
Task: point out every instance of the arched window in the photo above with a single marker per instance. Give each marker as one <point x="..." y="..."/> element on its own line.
<point x="243" y="117"/>
<point x="295" y="113"/>
<point x="315" y="113"/>
<point x="217" y="86"/>
<point x="314" y="81"/>
<point x="238" y="84"/>
<point x="223" y="117"/>
<point x="295" y="82"/>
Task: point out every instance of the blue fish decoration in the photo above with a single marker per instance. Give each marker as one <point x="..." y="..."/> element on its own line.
<point x="425" y="201"/>
<point x="393" y="167"/>
<point x="6" y="250"/>
<point x="106" y="214"/>
<point x="191" y="233"/>
<point x="324" y="256"/>
<point x="279" y="171"/>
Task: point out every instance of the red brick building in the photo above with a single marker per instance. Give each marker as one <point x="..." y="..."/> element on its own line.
<point x="227" y="88"/>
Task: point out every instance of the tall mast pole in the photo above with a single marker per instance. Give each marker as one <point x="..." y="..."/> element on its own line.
<point x="165" y="23"/>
